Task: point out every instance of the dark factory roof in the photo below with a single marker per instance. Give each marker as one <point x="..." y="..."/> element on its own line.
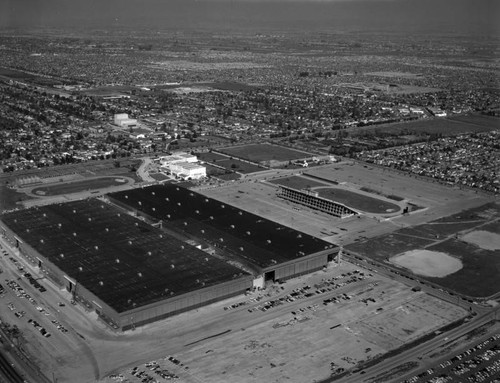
<point x="122" y="260"/>
<point x="259" y="241"/>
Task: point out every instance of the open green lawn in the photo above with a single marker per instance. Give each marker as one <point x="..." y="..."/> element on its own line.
<point x="358" y="201"/>
<point x="481" y="268"/>
<point x="79" y="186"/>
<point x="265" y="152"/>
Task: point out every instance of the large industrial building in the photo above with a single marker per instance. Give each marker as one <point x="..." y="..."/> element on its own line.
<point x="269" y="250"/>
<point x="136" y="270"/>
<point x="129" y="272"/>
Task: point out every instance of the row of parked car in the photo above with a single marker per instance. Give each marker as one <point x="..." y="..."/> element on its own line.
<point x="478" y="364"/>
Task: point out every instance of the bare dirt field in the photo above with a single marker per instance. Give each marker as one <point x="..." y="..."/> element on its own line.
<point x="301" y="341"/>
<point x="483" y="239"/>
<point x="428" y="263"/>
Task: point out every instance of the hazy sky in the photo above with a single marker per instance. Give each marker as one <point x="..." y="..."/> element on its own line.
<point x="462" y="16"/>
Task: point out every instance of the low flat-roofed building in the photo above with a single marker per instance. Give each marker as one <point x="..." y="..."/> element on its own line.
<point x="128" y="271"/>
<point x="272" y="251"/>
<point x="188" y="171"/>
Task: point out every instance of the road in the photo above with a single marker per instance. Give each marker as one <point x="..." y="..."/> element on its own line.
<point x="8" y="373"/>
<point x="415" y="353"/>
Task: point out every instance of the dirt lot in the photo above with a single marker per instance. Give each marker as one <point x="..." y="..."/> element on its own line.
<point x="295" y="341"/>
<point x="435" y="199"/>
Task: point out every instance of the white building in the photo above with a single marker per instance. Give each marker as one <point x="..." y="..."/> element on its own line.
<point x="123" y="121"/>
<point x="178" y="157"/>
<point x="183" y="165"/>
<point x="188" y="171"/>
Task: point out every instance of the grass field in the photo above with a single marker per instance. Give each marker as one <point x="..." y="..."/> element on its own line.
<point x="211" y="157"/>
<point x="297" y="182"/>
<point x="79" y="186"/>
<point x="481" y="267"/>
<point x="265" y="152"/>
<point x="444" y="126"/>
<point x="358" y="201"/>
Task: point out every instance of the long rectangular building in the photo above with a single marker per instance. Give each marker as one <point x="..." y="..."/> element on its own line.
<point x="129" y="272"/>
<point x="267" y="248"/>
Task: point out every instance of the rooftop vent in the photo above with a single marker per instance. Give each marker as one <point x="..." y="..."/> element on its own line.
<point x="202" y="231"/>
<point x="117" y="260"/>
<point x="61" y="255"/>
<point x="129" y="242"/>
<point x="74" y="211"/>
<point x="154" y="209"/>
<point x="59" y="225"/>
<point x="126" y="197"/>
<point x="80" y="268"/>
<point x="96" y="247"/>
<point x="41" y="241"/>
<point x="90" y="219"/>
<point x="178" y="203"/>
<point x="172" y="266"/>
<point x="107" y="229"/>
<point x="153" y="193"/>
<point x="139" y="274"/>
<point x="149" y="253"/>
<point x="101" y="283"/>
<point x="166" y="199"/>
<point x="74" y="234"/>
<point x="161" y="235"/>
<point x="240" y="213"/>
<point x="232" y="226"/>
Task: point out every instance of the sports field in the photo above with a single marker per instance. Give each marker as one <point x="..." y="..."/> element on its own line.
<point x="79" y="186"/>
<point x="452" y="251"/>
<point x="265" y="152"/>
<point x="445" y="126"/>
<point x="358" y="201"/>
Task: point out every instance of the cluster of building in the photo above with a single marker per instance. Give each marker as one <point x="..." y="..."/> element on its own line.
<point x="70" y="113"/>
<point x="182" y="165"/>
<point x="149" y="253"/>
<point x="471" y="160"/>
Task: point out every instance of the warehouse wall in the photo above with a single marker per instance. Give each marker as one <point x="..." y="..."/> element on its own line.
<point x="185" y="302"/>
<point x="300" y="267"/>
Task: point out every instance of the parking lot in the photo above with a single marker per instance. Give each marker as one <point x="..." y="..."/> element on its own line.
<point x="480" y="363"/>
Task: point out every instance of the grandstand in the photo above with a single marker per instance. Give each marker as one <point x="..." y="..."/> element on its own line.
<point x="312" y="200"/>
